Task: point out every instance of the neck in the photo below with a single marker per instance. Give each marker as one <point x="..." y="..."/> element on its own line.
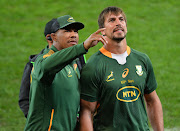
<point x="116" y="47"/>
<point x="50" y="43"/>
<point x="57" y="46"/>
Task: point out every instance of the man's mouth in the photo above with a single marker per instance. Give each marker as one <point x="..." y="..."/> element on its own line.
<point x="118" y="30"/>
<point x="74" y="42"/>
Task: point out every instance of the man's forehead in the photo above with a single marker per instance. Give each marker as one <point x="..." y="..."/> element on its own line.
<point x="112" y="14"/>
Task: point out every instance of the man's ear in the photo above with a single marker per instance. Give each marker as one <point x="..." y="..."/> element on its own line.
<point x="53" y="37"/>
<point x="48" y="37"/>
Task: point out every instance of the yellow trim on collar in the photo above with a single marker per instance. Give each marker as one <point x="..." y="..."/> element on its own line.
<point x="105" y="52"/>
<point x="128" y="50"/>
<point x="108" y="54"/>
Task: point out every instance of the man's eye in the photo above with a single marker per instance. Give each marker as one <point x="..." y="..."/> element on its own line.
<point x="111" y="20"/>
<point x="121" y="19"/>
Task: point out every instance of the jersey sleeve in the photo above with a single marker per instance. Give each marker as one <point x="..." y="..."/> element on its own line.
<point x="90" y="82"/>
<point x="52" y="62"/>
<point x="151" y="83"/>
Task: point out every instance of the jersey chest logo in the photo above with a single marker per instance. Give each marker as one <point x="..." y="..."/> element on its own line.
<point x="125" y="72"/>
<point x="75" y="66"/>
<point x="69" y="73"/>
<point x="75" y="69"/>
<point x="139" y="70"/>
<point x="109" y="77"/>
<point x="128" y="94"/>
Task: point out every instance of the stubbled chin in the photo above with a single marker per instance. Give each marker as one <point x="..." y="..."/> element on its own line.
<point x="119" y="38"/>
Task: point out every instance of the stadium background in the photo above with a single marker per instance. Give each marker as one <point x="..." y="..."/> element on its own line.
<point x="153" y="28"/>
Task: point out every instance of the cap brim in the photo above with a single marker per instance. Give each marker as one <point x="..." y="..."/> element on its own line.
<point x="75" y="25"/>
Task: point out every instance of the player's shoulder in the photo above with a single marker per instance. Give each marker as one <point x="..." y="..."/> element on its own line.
<point x="93" y="61"/>
<point x="95" y="58"/>
<point x="93" y="66"/>
<point x="139" y="54"/>
<point x="44" y="53"/>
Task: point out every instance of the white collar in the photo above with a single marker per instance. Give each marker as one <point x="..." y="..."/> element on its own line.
<point x="121" y="58"/>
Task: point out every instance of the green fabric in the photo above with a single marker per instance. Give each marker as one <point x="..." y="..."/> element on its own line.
<point x="121" y="99"/>
<point x="55" y="86"/>
<point x="68" y="20"/>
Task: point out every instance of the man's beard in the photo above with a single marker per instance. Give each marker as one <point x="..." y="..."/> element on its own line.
<point x="118" y="39"/>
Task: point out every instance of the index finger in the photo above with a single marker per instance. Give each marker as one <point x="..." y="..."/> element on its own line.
<point x="99" y="30"/>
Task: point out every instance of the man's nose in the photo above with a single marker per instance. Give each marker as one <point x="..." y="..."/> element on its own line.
<point x="74" y="34"/>
<point x="118" y="22"/>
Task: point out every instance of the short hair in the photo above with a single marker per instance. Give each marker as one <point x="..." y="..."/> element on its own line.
<point x="110" y="9"/>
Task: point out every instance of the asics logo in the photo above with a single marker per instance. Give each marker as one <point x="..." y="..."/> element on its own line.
<point x="125" y="72"/>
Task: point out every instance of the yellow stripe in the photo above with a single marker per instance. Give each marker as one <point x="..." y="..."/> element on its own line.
<point x="48" y="54"/>
<point x="105" y="52"/>
<point x="108" y="54"/>
<point x="128" y="50"/>
<point x="31" y="75"/>
<point x="52" y="113"/>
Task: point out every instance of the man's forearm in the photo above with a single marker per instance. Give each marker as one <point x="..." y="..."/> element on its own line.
<point x="155" y="114"/>
<point x="86" y="122"/>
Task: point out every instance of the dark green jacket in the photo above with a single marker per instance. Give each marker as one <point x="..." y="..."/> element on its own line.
<point x="54" y="92"/>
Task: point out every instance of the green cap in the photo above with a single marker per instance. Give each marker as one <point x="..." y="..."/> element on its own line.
<point x="66" y="21"/>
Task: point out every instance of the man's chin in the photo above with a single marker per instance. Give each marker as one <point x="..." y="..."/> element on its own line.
<point x="72" y="44"/>
<point x="119" y="38"/>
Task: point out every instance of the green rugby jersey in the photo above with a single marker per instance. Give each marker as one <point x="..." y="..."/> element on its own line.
<point x="54" y="92"/>
<point x="118" y="89"/>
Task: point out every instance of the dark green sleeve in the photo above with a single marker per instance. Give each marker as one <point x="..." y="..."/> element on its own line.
<point x="90" y="81"/>
<point x="48" y="65"/>
<point x="151" y="83"/>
